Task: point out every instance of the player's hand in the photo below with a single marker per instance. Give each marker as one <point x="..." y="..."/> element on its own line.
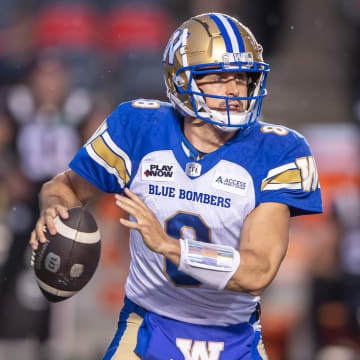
<point x="146" y="222"/>
<point x="46" y="221"/>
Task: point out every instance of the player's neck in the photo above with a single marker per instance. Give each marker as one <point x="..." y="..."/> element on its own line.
<point x="204" y="136"/>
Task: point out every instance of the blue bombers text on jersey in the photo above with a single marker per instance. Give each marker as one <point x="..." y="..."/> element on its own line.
<point x="140" y="145"/>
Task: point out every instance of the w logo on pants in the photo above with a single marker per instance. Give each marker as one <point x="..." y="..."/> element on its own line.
<point x="200" y="350"/>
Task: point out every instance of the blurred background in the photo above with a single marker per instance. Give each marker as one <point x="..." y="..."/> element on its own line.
<point x="65" y="65"/>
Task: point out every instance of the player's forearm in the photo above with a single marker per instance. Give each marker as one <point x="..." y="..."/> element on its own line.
<point x="58" y="191"/>
<point x="254" y="274"/>
<point x="263" y="246"/>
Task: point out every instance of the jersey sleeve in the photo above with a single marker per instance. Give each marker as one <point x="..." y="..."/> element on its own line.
<point x="105" y="159"/>
<point x="291" y="176"/>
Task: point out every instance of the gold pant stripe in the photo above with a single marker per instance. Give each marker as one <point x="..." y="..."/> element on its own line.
<point x="127" y="344"/>
<point x="261" y="350"/>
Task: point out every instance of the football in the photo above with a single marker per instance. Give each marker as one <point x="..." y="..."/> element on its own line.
<point x="68" y="260"/>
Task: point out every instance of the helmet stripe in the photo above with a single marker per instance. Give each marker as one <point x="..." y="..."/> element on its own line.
<point x="237" y="34"/>
<point x="224" y="33"/>
<point x="230" y="32"/>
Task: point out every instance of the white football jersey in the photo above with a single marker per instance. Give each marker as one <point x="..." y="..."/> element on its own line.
<point x="141" y="146"/>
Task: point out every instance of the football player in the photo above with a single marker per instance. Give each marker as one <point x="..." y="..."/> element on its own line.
<point x="209" y="189"/>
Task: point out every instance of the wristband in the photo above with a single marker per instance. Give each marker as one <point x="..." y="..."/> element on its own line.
<point x="211" y="264"/>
